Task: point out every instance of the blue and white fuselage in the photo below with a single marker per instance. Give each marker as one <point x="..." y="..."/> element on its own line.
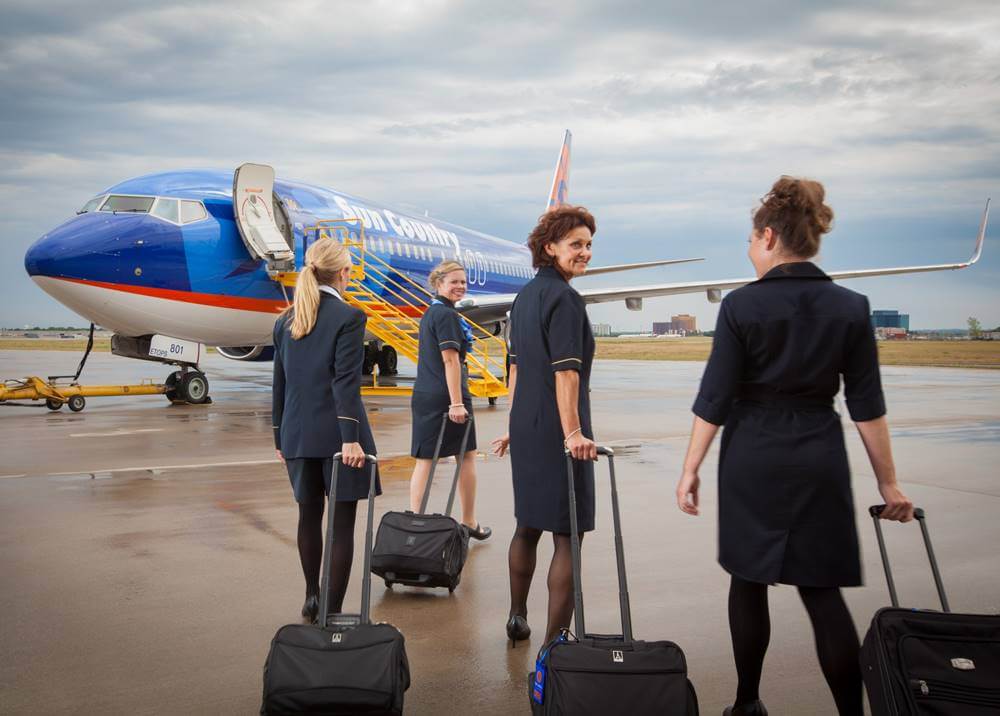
<point x="162" y="254"/>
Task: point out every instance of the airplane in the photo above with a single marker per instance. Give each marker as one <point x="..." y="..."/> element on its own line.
<point x="175" y="260"/>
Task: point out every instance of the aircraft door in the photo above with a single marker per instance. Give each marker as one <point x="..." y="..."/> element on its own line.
<point x="258" y="215"/>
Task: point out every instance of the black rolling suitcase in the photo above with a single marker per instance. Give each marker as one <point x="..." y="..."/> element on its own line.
<point x="424" y="550"/>
<point x="598" y="674"/>
<point x="926" y="662"/>
<point x="345" y="664"/>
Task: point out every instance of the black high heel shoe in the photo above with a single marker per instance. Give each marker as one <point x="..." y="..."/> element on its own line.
<point x="480" y="532"/>
<point x="311" y="607"/>
<point x="517" y="629"/>
<point x="754" y="708"/>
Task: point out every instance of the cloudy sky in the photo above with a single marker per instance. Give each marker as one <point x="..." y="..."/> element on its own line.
<point x="683" y="114"/>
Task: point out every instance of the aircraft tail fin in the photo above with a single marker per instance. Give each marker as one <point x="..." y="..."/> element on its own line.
<point x="559" y="194"/>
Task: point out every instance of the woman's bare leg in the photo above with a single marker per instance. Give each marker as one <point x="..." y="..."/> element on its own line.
<point x="418" y="481"/>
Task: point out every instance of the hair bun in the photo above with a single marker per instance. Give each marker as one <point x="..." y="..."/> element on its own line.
<point x="794" y="209"/>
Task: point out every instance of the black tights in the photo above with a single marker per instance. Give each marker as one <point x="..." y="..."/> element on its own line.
<point x="310" y="539"/>
<point x="836" y="641"/>
<point x="521" y="559"/>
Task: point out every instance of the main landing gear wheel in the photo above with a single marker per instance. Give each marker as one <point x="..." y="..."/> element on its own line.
<point x="53" y="404"/>
<point x="387" y="361"/>
<point x="76" y="403"/>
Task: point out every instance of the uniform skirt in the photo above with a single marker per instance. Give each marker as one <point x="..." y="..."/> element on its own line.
<point x="428" y="411"/>
<point x="311" y="476"/>
<point x="786" y="510"/>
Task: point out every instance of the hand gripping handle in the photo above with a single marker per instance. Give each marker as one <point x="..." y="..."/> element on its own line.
<point x="366" y="586"/>
<point x="876" y="513"/>
<point x="623" y="598"/>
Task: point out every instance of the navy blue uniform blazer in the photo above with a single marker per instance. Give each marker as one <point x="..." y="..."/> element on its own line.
<point x="316" y="397"/>
<point x="781" y="346"/>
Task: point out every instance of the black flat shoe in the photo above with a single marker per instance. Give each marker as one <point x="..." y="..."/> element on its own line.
<point x="480" y="533"/>
<point x="517" y="629"/>
<point x="754" y="708"/>
<point x="311" y="607"/>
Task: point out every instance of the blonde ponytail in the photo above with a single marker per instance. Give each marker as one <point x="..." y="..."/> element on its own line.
<point x="324" y="260"/>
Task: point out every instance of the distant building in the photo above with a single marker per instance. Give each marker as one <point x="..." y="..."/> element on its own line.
<point x="601" y="329"/>
<point x="681" y="324"/>
<point x="685" y="323"/>
<point x="890" y="319"/>
<point x="890" y="333"/>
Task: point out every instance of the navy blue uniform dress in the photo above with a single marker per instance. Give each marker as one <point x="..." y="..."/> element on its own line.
<point x="782" y="345"/>
<point x="316" y="400"/>
<point x="440" y="329"/>
<point x="549" y="332"/>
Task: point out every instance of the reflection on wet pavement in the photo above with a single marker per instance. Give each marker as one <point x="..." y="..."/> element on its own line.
<point x="149" y="559"/>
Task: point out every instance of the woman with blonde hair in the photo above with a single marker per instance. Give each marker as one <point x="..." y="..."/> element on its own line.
<point x="442" y="386"/>
<point x="317" y="412"/>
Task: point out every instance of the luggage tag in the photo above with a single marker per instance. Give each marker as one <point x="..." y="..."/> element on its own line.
<point x="541" y="670"/>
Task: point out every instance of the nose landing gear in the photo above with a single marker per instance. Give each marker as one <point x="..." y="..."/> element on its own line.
<point x="187" y="386"/>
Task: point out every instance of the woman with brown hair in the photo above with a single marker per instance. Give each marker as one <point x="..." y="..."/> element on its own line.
<point x="551" y="351"/>
<point x="442" y="386"/>
<point x="317" y="412"/>
<point x="786" y="510"/>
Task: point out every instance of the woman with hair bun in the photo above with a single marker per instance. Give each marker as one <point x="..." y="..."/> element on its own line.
<point x="786" y="510"/>
<point x="317" y="412"/>
<point x="442" y="386"/>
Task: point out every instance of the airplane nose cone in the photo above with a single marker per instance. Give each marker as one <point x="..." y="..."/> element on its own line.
<point x="38" y="255"/>
<point x="75" y="249"/>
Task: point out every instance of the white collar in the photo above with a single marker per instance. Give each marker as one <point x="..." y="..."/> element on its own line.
<point x="330" y="290"/>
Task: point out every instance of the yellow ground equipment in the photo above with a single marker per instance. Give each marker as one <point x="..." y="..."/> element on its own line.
<point x="73" y="394"/>
<point x="394" y="304"/>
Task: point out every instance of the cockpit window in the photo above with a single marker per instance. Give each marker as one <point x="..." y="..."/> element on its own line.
<point x="128" y="204"/>
<point x="192" y="211"/>
<point x="91" y="205"/>
<point x="167" y="209"/>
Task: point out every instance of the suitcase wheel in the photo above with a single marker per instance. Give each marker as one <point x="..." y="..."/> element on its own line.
<point x="451" y="589"/>
<point x="388" y="584"/>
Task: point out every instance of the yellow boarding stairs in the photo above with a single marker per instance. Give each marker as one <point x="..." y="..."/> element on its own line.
<point x="397" y="323"/>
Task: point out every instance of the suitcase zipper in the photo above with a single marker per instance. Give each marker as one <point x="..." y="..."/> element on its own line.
<point x="943" y="691"/>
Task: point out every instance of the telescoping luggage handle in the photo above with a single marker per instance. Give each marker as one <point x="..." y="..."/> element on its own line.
<point x="876" y="511"/>
<point x="623" y="600"/>
<point x="366" y="583"/>
<point x="459" y="459"/>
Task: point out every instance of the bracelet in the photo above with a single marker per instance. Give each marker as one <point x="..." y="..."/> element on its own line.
<point x="456" y="405"/>
<point x="571" y="435"/>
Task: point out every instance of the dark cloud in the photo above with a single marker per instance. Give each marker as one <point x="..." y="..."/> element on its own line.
<point x="683" y="114"/>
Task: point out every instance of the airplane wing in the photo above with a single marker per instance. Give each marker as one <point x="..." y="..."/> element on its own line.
<point x="595" y="270"/>
<point x="485" y="309"/>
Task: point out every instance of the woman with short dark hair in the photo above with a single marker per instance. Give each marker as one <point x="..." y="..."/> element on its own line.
<point x="551" y="351"/>
<point x="786" y="511"/>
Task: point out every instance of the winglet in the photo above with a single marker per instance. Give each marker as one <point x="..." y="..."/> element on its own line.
<point x="559" y="193"/>
<point x="982" y="235"/>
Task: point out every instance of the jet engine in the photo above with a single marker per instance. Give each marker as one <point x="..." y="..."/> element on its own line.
<point x="247" y="353"/>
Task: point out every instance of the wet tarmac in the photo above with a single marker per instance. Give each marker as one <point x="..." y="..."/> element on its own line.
<point x="148" y="550"/>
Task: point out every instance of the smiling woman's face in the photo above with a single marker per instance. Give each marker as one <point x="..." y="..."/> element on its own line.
<point x="572" y="252"/>
<point x="452" y="285"/>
